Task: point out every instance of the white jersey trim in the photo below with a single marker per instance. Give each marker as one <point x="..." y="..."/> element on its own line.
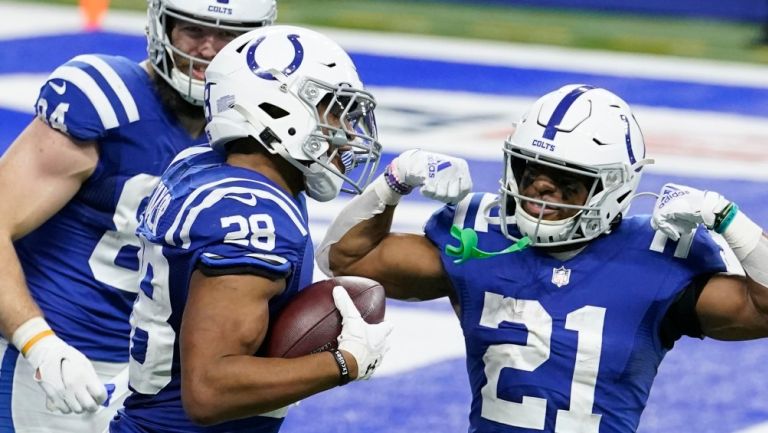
<point x="213" y="197"/>
<point x="283" y="195"/>
<point x="190" y="151"/>
<point x="460" y="215"/>
<point x="268" y="257"/>
<point x="114" y="81"/>
<point x="190" y="198"/>
<point x="259" y="256"/>
<point x="92" y="91"/>
<point x="481" y="218"/>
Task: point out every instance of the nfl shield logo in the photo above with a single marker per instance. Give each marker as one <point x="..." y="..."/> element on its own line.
<point x="561" y="276"/>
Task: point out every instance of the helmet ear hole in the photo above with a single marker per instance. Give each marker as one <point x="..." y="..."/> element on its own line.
<point x="273" y="111"/>
<point x="509" y="205"/>
<point x="239" y="49"/>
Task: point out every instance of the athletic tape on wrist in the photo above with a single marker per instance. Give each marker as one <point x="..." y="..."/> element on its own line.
<point x="742" y="235"/>
<point x="365" y="206"/>
<point x="748" y="243"/>
<point x="29" y="333"/>
<point x="755" y="264"/>
<point x="344" y="377"/>
<point x="388" y="195"/>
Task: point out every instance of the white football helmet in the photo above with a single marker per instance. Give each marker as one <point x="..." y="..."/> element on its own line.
<point x="268" y="83"/>
<point x="225" y="15"/>
<point x="576" y="129"/>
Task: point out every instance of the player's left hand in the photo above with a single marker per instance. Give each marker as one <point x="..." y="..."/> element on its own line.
<point x="366" y="342"/>
<point x="67" y="377"/>
<point x="680" y="209"/>
<point x="441" y="177"/>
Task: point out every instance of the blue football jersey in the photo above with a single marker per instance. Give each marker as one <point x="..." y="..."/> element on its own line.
<point x="206" y="213"/>
<point x="81" y="265"/>
<point x="564" y="346"/>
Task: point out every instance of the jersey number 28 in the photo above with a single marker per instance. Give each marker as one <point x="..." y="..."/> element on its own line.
<point x="152" y="336"/>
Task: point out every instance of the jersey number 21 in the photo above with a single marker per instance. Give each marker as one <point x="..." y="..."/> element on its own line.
<point x="531" y="413"/>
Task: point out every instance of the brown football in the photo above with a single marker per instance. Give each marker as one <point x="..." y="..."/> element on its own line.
<point x="311" y="323"/>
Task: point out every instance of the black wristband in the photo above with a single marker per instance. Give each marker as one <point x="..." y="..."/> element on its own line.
<point x="725" y="217"/>
<point x="343" y="369"/>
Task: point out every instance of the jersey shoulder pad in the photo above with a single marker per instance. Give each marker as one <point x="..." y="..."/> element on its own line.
<point x="186" y="165"/>
<point x="91" y="94"/>
<point x="706" y="252"/>
<point x="169" y="194"/>
<point x="700" y="255"/>
<point x="193" y="154"/>
<point x="240" y="223"/>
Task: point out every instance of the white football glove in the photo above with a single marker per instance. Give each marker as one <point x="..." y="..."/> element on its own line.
<point x="366" y="342"/>
<point x="441" y="177"/>
<point x="680" y="209"/>
<point x="67" y="377"/>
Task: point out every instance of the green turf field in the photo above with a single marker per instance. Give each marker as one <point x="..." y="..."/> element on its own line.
<point x="619" y="32"/>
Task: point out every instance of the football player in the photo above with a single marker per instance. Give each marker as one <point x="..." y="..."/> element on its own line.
<point x="566" y="304"/>
<point x="226" y="243"/>
<point x="73" y="182"/>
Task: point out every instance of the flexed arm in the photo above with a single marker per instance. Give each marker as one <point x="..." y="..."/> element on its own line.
<point x="360" y="242"/>
<point x="730" y="307"/>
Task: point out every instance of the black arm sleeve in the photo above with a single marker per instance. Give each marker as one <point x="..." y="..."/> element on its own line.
<point x="681" y="319"/>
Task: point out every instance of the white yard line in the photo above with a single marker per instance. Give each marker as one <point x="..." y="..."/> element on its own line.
<point x="759" y="428"/>
<point x="555" y="58"/>
<point x="683" y="141"/>
<point x="25" y="20"/>
<point x="22" y="19"/>
<point x="22" y="91"/>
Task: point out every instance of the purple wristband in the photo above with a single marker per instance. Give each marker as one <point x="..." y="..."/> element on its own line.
<point x="395" y="184"/>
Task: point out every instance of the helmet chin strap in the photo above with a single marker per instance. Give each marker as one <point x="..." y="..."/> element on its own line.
<point x="537" y="228"/>
<point x="321" y="184"/>
<point x="192" y="90"/>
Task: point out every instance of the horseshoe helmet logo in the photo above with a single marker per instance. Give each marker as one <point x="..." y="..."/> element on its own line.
<point x="298" y="57"/>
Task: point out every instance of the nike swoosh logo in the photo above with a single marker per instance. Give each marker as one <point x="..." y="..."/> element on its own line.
<point x="249" y="201"/>
<point x="60" y="89"/>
